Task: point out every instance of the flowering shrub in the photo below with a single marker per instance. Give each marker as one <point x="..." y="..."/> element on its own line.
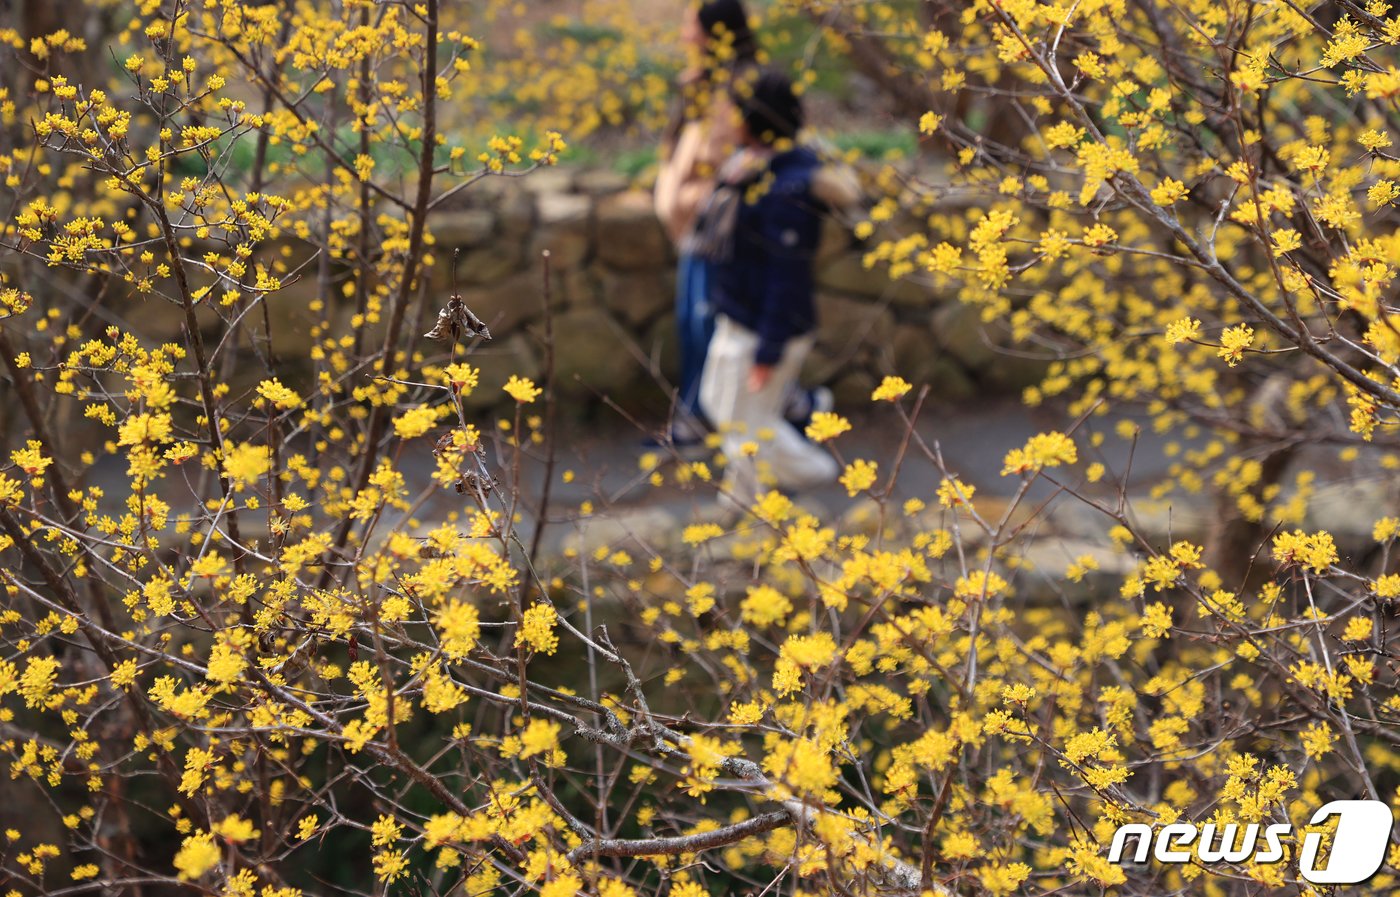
<point x="243" y="652"/>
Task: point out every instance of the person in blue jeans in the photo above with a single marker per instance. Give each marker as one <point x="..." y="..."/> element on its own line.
<point x="695" y="323"/>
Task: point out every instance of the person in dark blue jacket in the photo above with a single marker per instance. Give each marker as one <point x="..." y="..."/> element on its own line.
<point x="760" y="232"/>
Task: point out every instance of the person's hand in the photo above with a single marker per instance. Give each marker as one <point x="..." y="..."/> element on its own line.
<point x="747" y="163"/>
<point x="759" y="375"/>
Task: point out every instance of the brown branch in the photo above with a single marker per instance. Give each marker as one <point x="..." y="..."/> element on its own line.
<point x="378" y="418"/>
<point x="643" y="847"/>
<point x="549" y="406"/>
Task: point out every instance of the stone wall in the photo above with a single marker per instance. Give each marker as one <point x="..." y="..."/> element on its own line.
<point x="613" y="295"/>
<point x="612" y="276"/>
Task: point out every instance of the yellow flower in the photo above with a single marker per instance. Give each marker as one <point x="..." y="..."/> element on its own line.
<point x="415" y="421"/>
<point x="699" y="533"/>
<point x="809" y="651"/>
<point x="30" y="459"/>
<point x="142" y="428"/>
<point x="278" y="395"/>
<point x="1169" y="192"/>
<point x="522" y="389"/>
<point x="1157" y="620"/>
<point x="1311" y="158"/>
<point x="1043" y="450"/>
<point x="236" y="829"/>
<point x="1099" y="235"/>
<point x="566" y="885"/>
<point x="390" y="865"/>
<point x="209" y="566"/>
<point x="37" y="681"/>
<point x="1373" y="139"/>
<point x="805" y="541"/>
<point x="700" y="598"/>
<point x="537" y="630"/>
<point x="1062" y="135"/>
<point x="1182" y="330"/>
<point x="1358" y="629"/>
<point x="746" y="714"/>
<point x="890" y="389"/>
<point x="1316" y="551"/>
<point x="979" y="584"/>
<point x="541" y="736"/>
<point x="1317" y="740"/>
<point x="226" y="662"/>
<point x="1286" y="239"/>
<point x="1233" y="342"/>
<point x="385" y="831"/>
<point x="765" y="606"/>
<point x="1054" y="244"/>
<point x="1387" y="586"/>
<point x="458" y="626"/>
<point x="123" y="674"/>
<point x="245" y="464"/>
<point x="461" y="377"/>
<point x="196" y="856"/>
<point x="826" y="425"/>
<point x="1001" y="878"/>
<point x="802" y="765"/>
<point x="953" y="491"/>
<point x="1383" y="192"/>
<point x="307" y="827"/>
<point x="11" y="490"/>
<point x="1089" y="64"/>
<point x="859" y="476"/>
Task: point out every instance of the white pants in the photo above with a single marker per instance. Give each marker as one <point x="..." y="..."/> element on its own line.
<point x="785" y="458"/>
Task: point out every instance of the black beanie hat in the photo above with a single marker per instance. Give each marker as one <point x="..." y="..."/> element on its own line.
<point x="770" y="109"/>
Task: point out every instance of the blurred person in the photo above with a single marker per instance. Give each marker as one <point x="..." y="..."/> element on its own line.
<point x="700" y="136"/>
<point x="759" y="232"/>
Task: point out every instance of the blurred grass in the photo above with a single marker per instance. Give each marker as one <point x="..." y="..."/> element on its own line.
<point x="886" y="144"/>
